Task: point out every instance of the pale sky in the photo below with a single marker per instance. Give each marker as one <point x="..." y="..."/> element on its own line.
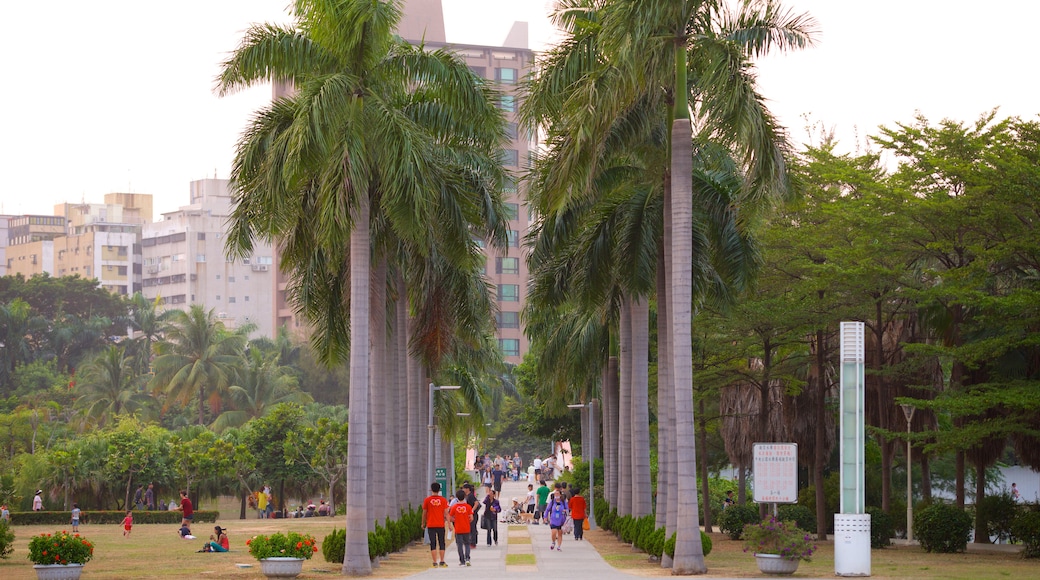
<point x="116" y="95"/>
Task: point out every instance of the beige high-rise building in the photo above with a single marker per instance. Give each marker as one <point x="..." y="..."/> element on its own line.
<point x="184" y="262"/>
<point x="87" y="239"/>
<point x="423" y="21"/>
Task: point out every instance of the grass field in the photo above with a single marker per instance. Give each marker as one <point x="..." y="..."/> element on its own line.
<point x="156" y="551"/>
<point x="897" y="562"/>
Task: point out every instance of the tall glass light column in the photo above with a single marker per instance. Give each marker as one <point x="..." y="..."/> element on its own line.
<point x="852" y="525"/>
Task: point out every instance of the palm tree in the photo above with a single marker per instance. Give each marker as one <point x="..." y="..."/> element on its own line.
<point x="111" y="386"/>
<point x="197" y="359"/>
<point x="378" y="136"/>
<point x="628" y="56"/>
<point x="261" y="384"/>
<point x="146" y="322"/>
<point x="17" y="327"/>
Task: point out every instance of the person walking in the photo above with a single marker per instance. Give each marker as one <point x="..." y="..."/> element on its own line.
<point x="261" y="504"/>
<point x="530" y="502"/>
<point x="578" y="506"/>
<point x="187" y="509"/>
<point x="556" y="515"/>
<point x="139" y="498"/>
<point x="128" y="523"/>
<point x="149" y="497"/>
<point x="461" y="518"/>
<point x="475" y="507"/>
<point x="491" y="509"/>
<point x="543" y="496"/>
<point x="434" y="516"/>
<point x="38" y="501"/>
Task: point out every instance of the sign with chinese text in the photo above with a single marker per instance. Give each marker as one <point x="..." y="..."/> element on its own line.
<point x="775" y="469"/>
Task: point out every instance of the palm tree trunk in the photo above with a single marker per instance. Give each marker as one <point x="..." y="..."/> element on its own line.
<point x="666" y="458"/>
<point x="356" y="561"/>
<point x="625" y="410"/>
<point x="611" y="397"/>
<point x="404" y="425"/>
<point x="642" y="499"/>
<point x="378" y="385"/>
<point x="689" y="553"/>
<point x="416" y="429"/>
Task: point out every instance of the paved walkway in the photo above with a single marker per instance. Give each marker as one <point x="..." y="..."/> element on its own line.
<point x="577" y="561"/>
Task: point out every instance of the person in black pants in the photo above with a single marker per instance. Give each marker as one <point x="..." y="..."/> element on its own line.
<point x="491" y="510"/>
<point x="471" y="499"/>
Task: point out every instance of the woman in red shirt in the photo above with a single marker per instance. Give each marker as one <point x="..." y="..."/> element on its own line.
<point x="578" y="506"/>
<point x="461" y="518"/>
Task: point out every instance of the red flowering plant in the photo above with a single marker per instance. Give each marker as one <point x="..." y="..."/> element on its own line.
<point x="279" y="545"/>
<point x="60" y="548"/>
<point x="784" y="539"/>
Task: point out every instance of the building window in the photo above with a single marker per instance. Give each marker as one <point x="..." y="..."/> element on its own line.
<point x="247" y="299"/>
<point x="479" y="242"/>
<point x="511" y="132"/>
<point x="245" y="261"/>
<point x="480" y="71"/>
<point x="509" y="185"/>
<point x="218" y="276"/>
<point x="200" y="257"/>
<point x="508" y="292"/>
<point x="507" y="265"/>
<point x="512" y="211"/>
<point x="231" y="299"/>
<point x="231" y="279"/>
<point x="121" y="270"/>
<point x="507" y="103"/>
<point x="513" y="238"/>
<point x="507" y="319"/>
<point x="506" y="76"/>
<point x="122" y="250"/>
<point x="510" y="157"/>
<point x="266" y="260"/>
<point x="201" y="236"/>
<point x="218" y="297"/>
<point x="509" y="346"/>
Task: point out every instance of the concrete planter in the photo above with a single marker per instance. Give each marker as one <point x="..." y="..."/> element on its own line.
<point x="58" y="571"/>
<point x="775" y="564"/>
<point x="281" y="567"/>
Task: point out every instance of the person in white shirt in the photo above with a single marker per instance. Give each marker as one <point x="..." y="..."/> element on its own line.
<point x="530" y="498"/>
<point x="537" y="467"/>
<point x="38" y="501"/>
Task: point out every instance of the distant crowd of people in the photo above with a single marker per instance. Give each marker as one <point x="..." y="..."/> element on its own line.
<point x="263" y="502"/>
<point x="491" y="471"/>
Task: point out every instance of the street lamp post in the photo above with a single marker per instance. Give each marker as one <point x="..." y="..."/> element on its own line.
<point x="908" y="412"/>
<point x="589" y="450"/>
<point x="431" y="426"/>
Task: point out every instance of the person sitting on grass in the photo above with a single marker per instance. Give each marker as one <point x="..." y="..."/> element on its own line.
<point x="217" y="542"/>
<point x="185" y="532"/>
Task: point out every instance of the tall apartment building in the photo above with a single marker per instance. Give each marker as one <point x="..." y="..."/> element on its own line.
<point x="87" y="239"/>
<point x="184" y="262"/>
<point x="5" y="221"/>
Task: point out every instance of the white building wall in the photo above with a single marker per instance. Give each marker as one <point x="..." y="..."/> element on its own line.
<point x="184" y="262"/>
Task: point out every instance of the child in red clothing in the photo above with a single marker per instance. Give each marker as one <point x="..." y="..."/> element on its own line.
<point x="128" y="522"/>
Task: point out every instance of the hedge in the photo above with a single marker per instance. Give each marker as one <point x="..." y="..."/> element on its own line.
<point x="64" y="518"/>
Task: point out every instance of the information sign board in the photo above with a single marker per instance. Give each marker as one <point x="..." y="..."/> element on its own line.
<point x="775" y="469"/>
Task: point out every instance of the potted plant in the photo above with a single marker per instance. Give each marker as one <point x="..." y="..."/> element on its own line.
<point x="282" y="555"/>
<point x="778" y="546"/>
<point x="59" y="556"/>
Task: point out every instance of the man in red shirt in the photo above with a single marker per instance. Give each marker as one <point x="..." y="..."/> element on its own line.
<point x="578" y="506"/>
<point x="187" y="510"/>
<point x="434" y="514"/>
<point x="461" y="517"/>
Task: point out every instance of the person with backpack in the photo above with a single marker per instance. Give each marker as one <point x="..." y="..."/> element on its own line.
<point x="556" y="515"/>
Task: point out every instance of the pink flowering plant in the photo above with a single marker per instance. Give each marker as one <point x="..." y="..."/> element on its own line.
<point x="279" y="545"/>
<point x="781" y="538"/>
<point x="60" y="548"/>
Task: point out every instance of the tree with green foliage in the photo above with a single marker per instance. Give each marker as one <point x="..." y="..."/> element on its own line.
<point x="198" y="359"/>
<point x="261" y="384"/>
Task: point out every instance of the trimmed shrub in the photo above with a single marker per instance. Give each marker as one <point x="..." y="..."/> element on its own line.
<point x="61" y="518"/>
<point x="881" y="528"/>
<point x="1026" y="529"/>
<point x="334" y="546"/>
<point x="799" y="514"/>
<point x="942" y="528"/>
<point x="669" y="545"/>
<point x="998" y="511"/>
<point x="6" y="539"/>
<point x="734" y="518"/>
